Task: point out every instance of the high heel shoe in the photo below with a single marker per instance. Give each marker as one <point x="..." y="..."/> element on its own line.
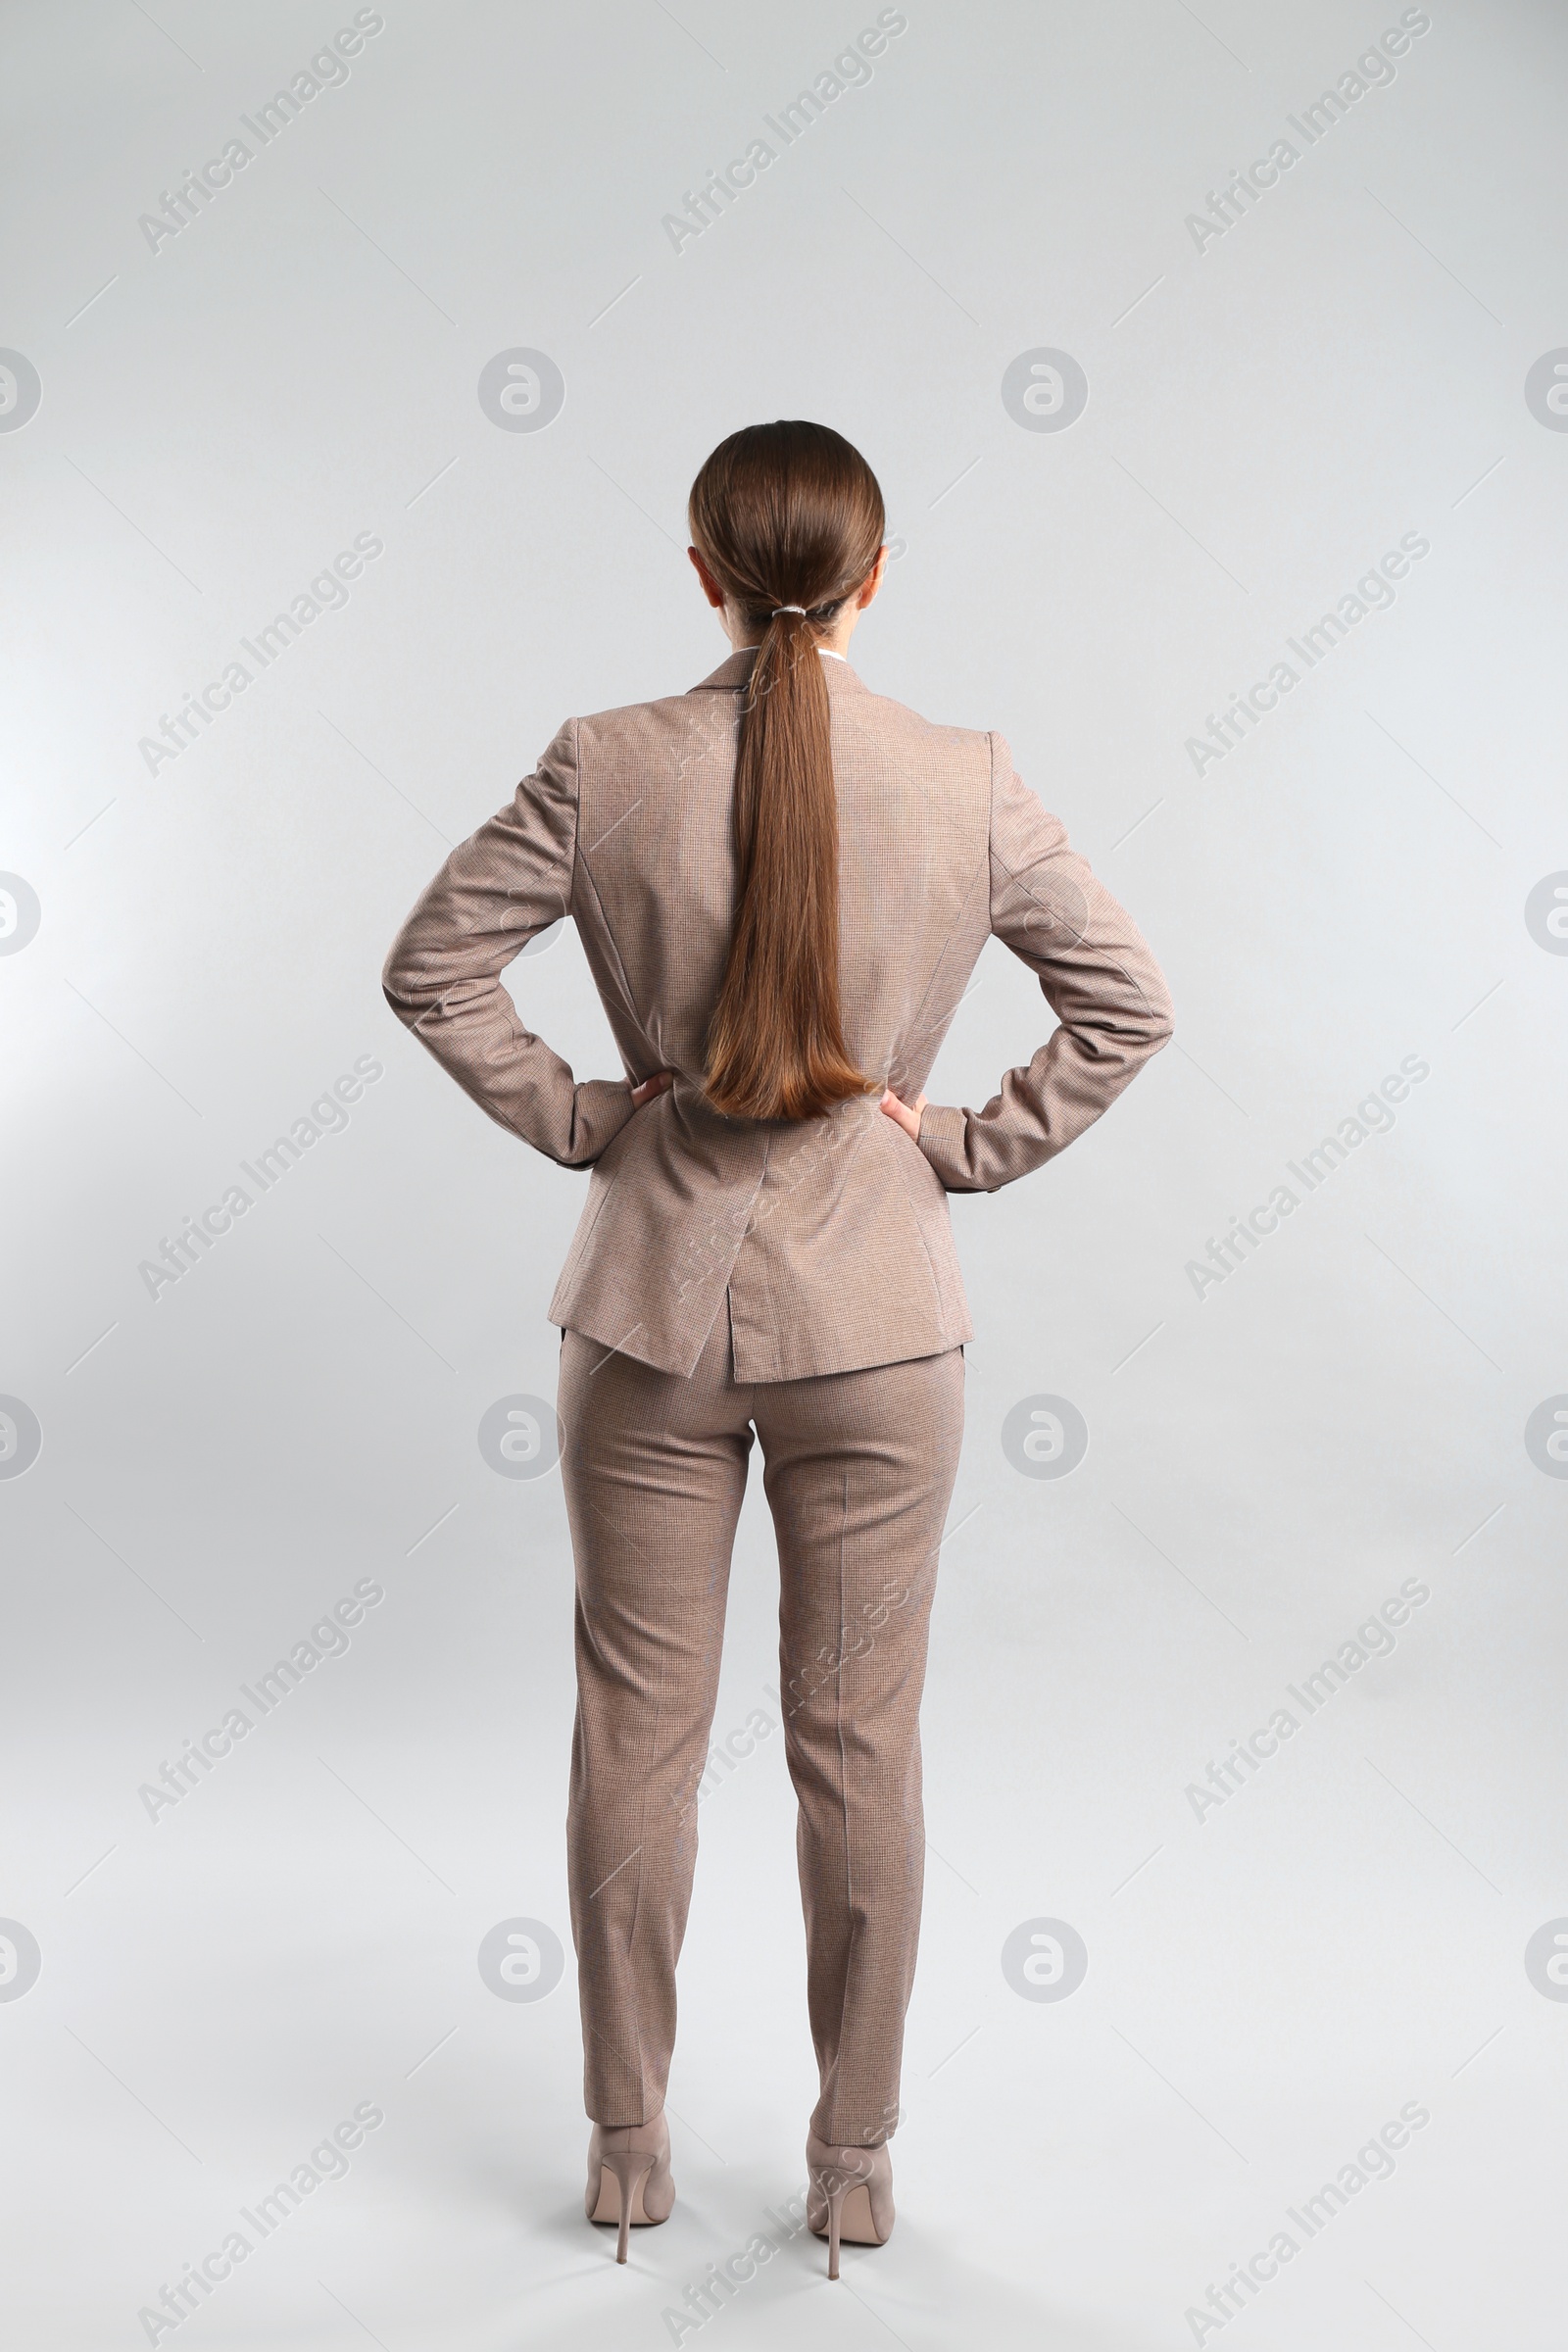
<point x="849" y="2197"/>
<point x="629" y="2179"/>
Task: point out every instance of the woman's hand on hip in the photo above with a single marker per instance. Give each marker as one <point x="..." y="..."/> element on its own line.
<point x="659" y="1084"/>
<point x="905" y="1114"/>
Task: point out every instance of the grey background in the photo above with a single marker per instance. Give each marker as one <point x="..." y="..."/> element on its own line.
<point x="1267" y="1984"/>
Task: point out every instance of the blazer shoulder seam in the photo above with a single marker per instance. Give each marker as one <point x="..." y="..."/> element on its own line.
<point x="991" y="827"/>
<point x="577" y="814"/>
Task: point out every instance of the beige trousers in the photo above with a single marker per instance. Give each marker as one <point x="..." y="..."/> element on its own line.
<point x="859" y="1469"/>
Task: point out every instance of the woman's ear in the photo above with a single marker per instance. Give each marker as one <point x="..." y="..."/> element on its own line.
<point x="710" y="587"/>
<point x="873" y="580"/>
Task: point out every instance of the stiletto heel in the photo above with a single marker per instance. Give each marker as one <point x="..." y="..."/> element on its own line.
<point x="629" y="2177"/>
<point x="630" y="2168"/>
<point x="850" y="2197"/>
<point x="834" y="2212"/>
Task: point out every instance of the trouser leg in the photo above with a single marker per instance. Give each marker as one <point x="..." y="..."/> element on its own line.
<point x="653" y="1468"/>
<point x="859" y="1471"/>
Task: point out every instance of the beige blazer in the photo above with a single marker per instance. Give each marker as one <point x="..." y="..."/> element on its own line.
<point x="830" y="1237"/>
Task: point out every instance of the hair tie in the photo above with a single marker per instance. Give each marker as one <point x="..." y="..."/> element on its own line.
<point x="778" y="608"/>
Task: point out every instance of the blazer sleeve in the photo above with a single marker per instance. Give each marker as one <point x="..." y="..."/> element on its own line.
<point x="1096" y="974"/>
<point x="442" y="975"/>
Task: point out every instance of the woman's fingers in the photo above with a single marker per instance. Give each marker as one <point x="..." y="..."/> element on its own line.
<point x="659" y="1084"/>
<point x="905" y="1114"/>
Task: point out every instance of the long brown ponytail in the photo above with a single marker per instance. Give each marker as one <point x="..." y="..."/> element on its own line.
<point x="785" y="514"/>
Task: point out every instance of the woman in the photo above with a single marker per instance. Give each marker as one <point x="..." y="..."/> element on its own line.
<point x="781" y="881"/>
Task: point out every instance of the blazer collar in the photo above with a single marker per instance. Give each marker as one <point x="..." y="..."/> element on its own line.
<point x="736" y="668"/>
